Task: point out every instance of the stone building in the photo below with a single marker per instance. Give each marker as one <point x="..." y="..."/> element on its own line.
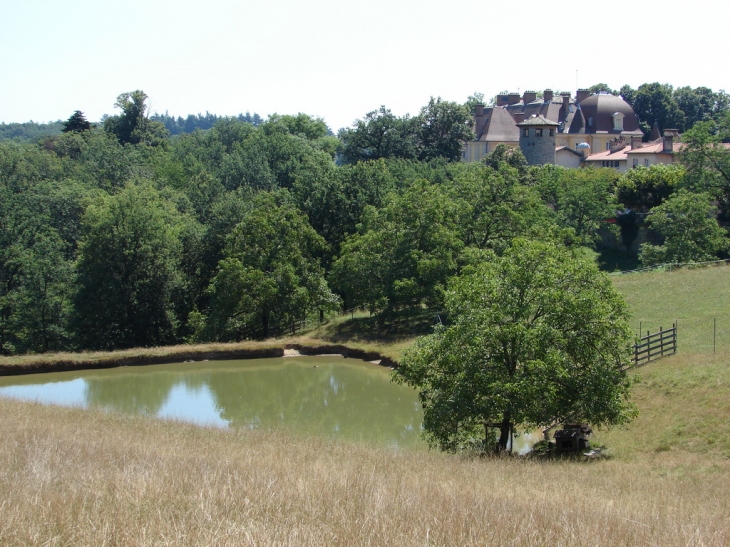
<point x="537" y="140"/>
<point x="588" y="119"/>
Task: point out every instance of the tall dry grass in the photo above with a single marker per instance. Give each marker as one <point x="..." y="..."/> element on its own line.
<point x="73" y="477"/>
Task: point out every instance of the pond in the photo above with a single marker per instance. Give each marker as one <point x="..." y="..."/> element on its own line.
<point x="325" y="396"/>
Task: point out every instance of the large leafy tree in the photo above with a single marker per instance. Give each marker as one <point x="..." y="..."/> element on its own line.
<point x="690" y="230"/>
<point x="270" y="276"/>
<point x="536" y="337"/>
<point x="706" y="156"/>
<point x="380" y="134"/>
<point x="133" y="125"/>
<point x="643" y="188"/>
<point x="655" y="104"/>
<point x="445" y="128"/>
<point x="403" y="253"/>
<point x="128" y="271"/>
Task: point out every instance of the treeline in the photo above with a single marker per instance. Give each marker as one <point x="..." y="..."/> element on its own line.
<point x="179" y="125"/>
<point x="120" y="235"/>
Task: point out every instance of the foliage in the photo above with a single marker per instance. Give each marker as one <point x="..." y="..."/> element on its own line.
<point x="127" y="271"/>
<point x="583" y="199"/>
<point x="133" y="125"/>
<point x="402" y="253"/>
<point x="690" y="230"/>
<point x="537" y="336"/>
<point x="706" y="157"/>
<point x="643" y="188"/>
<point x="270" y="276"/>
<point x="511" y="155"/>
<point x="77" y="122"/>
<point x="444" y="128"/>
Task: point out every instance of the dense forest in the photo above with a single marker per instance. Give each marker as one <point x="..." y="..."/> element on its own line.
<point x="122" y="234"/>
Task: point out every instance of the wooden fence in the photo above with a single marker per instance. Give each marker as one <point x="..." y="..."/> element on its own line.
<point x="654" y="346"/>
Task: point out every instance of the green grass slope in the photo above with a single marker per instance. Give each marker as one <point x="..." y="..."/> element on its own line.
<point x="693" y="297"/>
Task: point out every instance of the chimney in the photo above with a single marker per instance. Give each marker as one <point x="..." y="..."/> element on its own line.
<point x="581" y="95"/>
<point x="669" y="135"/>
<point x="565" y="95"/>
<point x="547" y="95"/>
<point x="479" y="119"/>
<point x="513" y="98"/>
<point x="617" y="144"/>
<point x="635" y="142"/>
<point x="519" y="117"/>
<point x="529" y="97"/>
<point x="502" y="100"/>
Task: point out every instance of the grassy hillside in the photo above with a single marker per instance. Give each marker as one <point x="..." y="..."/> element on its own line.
<point x="693" y="297"/>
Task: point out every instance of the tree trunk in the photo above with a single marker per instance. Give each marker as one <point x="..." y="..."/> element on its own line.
<point x="504" y="432"/>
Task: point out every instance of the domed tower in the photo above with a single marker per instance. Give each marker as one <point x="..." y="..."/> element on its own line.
<point x="537" y="140"/>
<point x="609" y="113"/>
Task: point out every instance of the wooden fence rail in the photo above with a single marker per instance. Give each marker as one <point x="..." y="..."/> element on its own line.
<point x="654" y="346"/>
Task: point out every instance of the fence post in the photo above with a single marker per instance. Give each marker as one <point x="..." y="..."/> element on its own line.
<point x="661" y="342"/>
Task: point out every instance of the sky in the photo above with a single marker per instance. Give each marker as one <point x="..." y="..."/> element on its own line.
<point x="339" y="59"/>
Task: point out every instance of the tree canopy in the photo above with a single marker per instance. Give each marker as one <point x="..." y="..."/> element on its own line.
<point x="535" y="337"/>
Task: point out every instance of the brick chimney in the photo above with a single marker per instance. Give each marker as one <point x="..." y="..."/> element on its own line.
<point x="513" y="98"/>
<point x="502" y="100"/>
<point x="547" y="95"/>
<point x="529" y="97"/>
<point x="581" y="95"/>
<point x="669" y="135"/>
<point x="479" y="119"/>
<point x="635" y="142"/>
<point x="519" y="117"/>
<point x="565" y="95"/>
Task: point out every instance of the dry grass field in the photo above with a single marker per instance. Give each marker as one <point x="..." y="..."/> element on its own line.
<point x="73" y="477"/>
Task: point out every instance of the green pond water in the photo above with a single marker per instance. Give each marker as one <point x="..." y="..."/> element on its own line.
<point x="325" y="396"/>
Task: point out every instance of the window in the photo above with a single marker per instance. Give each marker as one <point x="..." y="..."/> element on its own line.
<point x="552" y="132"/>
<point x="646" y="162"/>
<point x="608" y="146"/>
<point x="636" y="162"/>
<point x="538" y="132"/>
<point x="526" y="132"/>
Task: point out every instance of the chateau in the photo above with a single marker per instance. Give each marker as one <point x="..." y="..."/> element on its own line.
<point x="555" y="129"/>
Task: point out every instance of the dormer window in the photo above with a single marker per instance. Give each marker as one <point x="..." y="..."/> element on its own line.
<point x="618" y="121"/>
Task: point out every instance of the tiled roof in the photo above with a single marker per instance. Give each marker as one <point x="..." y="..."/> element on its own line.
<point x="500" y="127"/>
<point x="606" y="155"/>
<point x="656" y="148"/>
<point x="537" y="120"/>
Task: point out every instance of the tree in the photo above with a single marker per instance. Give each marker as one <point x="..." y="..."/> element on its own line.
<point x="536" y="337"/>
<point x="270" y="275"/>
<point x="602" y="88"/>
<point x="691" y="232"/>
<point x="133" y="125"/>
<point x="706" y="156"/>
<point x="403" y="253"/>
<point x="655" y="104"/>
<point x="76" y="123"/>
<point x="381" y="134"/>
<point x="127" y="271"/>
<point x="643" y="188"/>
<point x="445" y="128"/>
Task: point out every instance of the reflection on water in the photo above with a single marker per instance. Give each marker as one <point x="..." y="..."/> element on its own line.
<point x="325" y="396"/>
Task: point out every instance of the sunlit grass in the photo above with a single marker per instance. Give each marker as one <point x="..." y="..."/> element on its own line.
<point x="73" y="477"/>
<point x="693" y="297"/>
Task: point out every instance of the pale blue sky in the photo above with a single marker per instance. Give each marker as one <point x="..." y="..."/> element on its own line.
<point x="341" y="59"/>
